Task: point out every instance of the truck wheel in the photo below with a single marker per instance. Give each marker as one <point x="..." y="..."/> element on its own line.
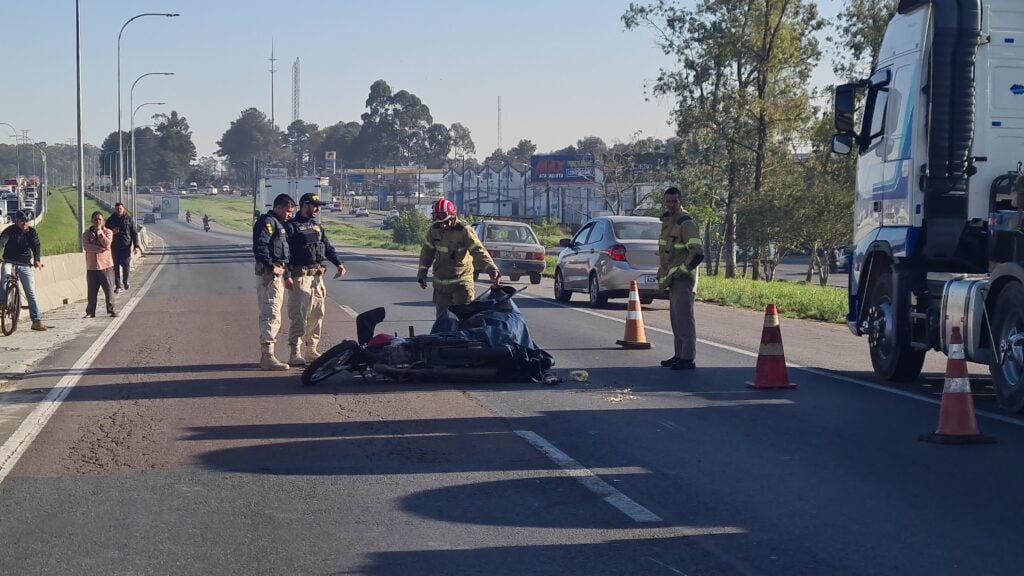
<point x="1007" y="361"/>
<point x="891" y="358"/>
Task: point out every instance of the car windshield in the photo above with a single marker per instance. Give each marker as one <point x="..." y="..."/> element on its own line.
<point x="637" y="230"/>
<point x="511" y="234"/>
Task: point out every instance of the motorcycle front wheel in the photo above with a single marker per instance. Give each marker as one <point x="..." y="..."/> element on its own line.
<point x="335" y="360"/>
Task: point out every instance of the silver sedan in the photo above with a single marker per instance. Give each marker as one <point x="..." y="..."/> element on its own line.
<point x="606" y="255"/>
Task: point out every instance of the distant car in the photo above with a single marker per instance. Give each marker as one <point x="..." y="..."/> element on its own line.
<point x="839" y="260"/>
<point x="149" y="218"/>
<point x="336" y="206"/>
<point x="392" y="214"/>
<point x="514" y="248"/>
<point x="606" y="255"/>
<point x="362" y="212"/>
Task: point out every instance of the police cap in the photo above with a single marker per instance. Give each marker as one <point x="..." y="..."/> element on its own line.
<point x="283" y="200"/>
<point x="313" y="199"/>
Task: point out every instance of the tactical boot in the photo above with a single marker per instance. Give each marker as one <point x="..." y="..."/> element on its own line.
<point x="269" y="362"/>
<point x="311" y="354"/>
<point x="295" y="358"/>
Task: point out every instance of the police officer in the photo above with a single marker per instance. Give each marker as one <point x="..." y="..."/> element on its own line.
<point x="680" y="252"/>
<point x="270" y="247"/>
<point x="309" y="247"/>
<point x="452" y="248"/>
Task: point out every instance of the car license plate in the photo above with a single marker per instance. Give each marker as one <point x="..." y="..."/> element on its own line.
<point x="518" y="255"/>
<point x="649" y="279"/>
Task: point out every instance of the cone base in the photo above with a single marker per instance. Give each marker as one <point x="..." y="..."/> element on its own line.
<point x="635" y="345"/>
<point x="956" y="439"/>
<point x="757" y="386"/>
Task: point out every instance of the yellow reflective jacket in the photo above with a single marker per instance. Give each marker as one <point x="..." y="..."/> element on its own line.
<point x="452" y="252"/>
<point x="678" y="244"/>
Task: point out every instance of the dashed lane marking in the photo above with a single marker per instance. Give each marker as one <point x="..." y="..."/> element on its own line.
<point x="590" y="480"/>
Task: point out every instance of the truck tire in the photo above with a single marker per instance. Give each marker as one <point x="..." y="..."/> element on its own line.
<point x="1007" y="362"/>
<point x="891" y="356"/>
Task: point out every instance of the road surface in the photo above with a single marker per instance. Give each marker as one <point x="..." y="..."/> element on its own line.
<point x="171" y="453"/>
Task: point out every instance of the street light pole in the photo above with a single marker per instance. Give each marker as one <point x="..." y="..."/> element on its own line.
<point x="120" y="142"/>
<point x="134" y="176"/>
<point x="131" y="104"/>
<point x="17" y="156"/>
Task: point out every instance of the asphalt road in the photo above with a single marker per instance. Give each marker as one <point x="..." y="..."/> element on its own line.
<point x="173" y="454"/>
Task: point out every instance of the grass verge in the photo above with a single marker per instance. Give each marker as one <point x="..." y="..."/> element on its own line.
<point x="58" y="233"/>
<point x="793" y="300"/>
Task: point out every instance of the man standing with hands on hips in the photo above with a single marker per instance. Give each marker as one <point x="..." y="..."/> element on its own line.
<point x="680" y="252"/>
<point x="309" y="247"/>
<point x="270" y="247"/>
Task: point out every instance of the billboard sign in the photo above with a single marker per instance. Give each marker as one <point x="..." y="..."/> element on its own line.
<point x="577" y="169"/>
<point x="330" y="161"/>
<point x="356" y="178"/>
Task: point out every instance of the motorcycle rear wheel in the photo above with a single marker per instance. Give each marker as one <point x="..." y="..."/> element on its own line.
<point x="337" y="359"/>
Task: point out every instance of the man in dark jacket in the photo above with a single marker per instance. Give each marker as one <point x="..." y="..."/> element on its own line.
<point x="126" y="241"/>
<point x="21" y="250"/>
<point x="270" y="248"/>
<point x="308" y="249"/>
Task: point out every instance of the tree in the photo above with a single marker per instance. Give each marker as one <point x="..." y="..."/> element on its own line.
<point x="522" y="151"/>
<point x="740" y="87"/>
<point x="176" y="150"/>
<point x="303" y="138"/>
<point x="396" y="127"/>
<point x="591" y="145"/>
<point x="340" y="138"/>
<point x="439" y="145"/>
<point x="462" y="141"/>
<point x="861" y="28"/>
<point x="250" y="136"/>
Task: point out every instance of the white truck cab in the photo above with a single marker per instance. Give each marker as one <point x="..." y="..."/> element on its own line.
<point x="937" y="225"/>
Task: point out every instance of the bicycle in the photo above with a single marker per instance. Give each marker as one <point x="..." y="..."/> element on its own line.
<point x="10" y="308"/>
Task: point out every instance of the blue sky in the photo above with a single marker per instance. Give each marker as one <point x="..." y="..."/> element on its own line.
<point x="564" y="68"/>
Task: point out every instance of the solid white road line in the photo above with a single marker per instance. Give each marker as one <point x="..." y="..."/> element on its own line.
<point x="12" y="450"/>
<point x="590" y="480"/>
<point x="348" y="310"/>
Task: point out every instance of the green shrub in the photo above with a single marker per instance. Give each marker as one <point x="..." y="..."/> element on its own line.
<point x="410" y="227"/>
<point x="549" y="232"/>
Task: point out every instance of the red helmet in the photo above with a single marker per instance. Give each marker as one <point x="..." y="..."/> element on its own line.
<point x="444" y="210"/>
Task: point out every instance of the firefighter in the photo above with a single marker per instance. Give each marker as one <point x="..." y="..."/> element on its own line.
<point x="270" y="247"/>
<point x="308" y="248"/>
<point x="680" y="252"/>
<point x="453" y="250"/>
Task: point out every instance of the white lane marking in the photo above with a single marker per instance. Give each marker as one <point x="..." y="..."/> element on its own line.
<point x="666" y="566"/>
<point x="348" y="310"/>
<point x="14" y="448"/>
<point x="590" y="480"/>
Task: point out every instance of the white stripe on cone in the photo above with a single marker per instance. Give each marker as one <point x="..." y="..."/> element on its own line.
<point x="957" y="386"/>
<point x="632" y="315"/>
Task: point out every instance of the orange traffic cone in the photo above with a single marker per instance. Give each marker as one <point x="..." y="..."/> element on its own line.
<point x="957" y="424"/>
<point x="770" y="373"/>
<point x="635" y="338"/>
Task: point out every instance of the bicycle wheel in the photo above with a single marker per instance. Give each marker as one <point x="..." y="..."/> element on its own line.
<point x="335" y="360"/>
<point x="12" y="309"/>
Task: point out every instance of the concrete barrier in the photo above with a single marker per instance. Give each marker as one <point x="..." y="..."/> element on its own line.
<point x="61" y="281"/>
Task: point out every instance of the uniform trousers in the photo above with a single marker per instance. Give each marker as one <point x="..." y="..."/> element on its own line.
<point x="306" y="305"/>
<point x="684" y="327"/>
<point x="270" y="295"/>
<point x="451" y="296"/>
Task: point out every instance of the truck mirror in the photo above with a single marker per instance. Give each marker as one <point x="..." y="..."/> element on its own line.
<point x="842" y="144"/>
<point x="845" y="105"/>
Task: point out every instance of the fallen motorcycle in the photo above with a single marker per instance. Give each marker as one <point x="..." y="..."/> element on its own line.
<point x="485" y="340"/>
